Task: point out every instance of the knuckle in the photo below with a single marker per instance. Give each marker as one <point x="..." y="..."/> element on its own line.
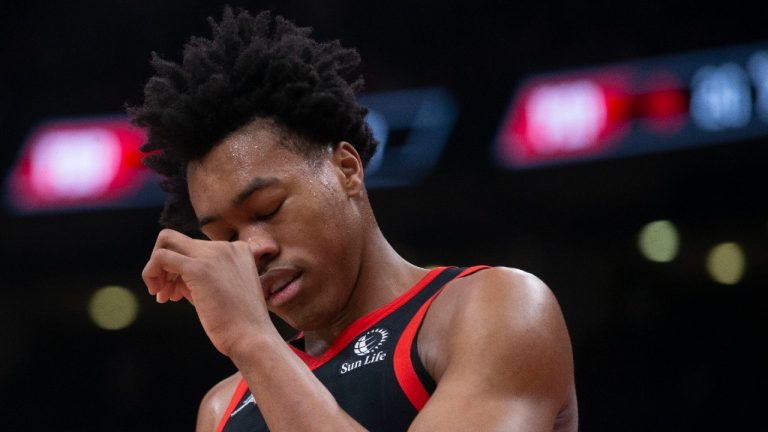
<point x="163" y="234"/>
<point x="157" y="255"/>
<point x="145" y="272"/>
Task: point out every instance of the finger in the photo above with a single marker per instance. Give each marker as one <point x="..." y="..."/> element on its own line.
<point x="175" y="241"/>
<point x="162" y="269"/>
<point x="177" y="292"/>
<point x="162" y="296"/>
<point x="172" y="289"/>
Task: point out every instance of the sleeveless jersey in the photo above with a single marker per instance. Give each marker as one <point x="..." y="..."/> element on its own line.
<point x="373" y="368"/>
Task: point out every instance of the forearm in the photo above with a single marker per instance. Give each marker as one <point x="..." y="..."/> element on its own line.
<point x="287" y="393"/>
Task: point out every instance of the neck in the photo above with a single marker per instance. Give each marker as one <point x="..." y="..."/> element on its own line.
<point x="384" y="275"/>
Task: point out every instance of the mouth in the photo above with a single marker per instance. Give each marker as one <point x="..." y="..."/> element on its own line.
<point x="279" y="285"/>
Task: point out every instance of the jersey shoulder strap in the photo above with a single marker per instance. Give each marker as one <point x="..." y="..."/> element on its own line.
<point x="411" y="374"/>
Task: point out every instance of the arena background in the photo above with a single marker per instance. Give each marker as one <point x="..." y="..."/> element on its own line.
<point x="658" y="346"/>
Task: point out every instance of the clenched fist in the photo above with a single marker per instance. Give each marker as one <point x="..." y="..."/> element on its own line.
<point x="219" y="278"/>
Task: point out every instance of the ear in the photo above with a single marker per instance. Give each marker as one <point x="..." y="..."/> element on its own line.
<point x="347" y="160"/>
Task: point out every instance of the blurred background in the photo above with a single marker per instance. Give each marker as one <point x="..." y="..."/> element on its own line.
<point x="616" y="150"/>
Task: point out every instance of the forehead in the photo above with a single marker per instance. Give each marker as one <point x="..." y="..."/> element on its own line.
<point x="253" y="151"/>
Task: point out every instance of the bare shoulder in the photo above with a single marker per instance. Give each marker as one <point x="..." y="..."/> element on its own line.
<point x="509" y="296"/>
<point x="215" y="402"/>
<point x="521" y="295"/>
<point x="502" y="278"/>
<point x="509" y="321"/>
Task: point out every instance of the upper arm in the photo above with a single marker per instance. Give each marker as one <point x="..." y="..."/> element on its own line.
<point x="506" y="356"/>
<point x="215" y="402"/>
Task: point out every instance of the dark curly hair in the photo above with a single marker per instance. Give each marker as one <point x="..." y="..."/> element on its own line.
<point x="259" y="66"/>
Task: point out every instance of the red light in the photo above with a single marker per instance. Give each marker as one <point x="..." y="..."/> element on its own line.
<point x="664" y="107"/>
<point x="554" y="119"/>
<point x="78" y="163"/>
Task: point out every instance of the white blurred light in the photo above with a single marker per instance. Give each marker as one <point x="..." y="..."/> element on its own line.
<point x="659" y="241"/>
<point x="565" y="117"/>
<point x="76" y="163"/>
<point x="113" y="307"/>
<point x="726" y="263"/>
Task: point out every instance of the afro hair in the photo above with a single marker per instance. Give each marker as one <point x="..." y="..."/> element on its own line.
<point x="252" y="67"/>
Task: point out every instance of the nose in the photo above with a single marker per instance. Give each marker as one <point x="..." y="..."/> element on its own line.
<point x="263" y="245"/>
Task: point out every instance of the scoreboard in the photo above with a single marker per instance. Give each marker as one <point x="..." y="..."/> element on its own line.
<point x="643" y="106"/>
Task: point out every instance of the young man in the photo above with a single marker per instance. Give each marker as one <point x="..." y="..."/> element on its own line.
<point x="263" y="147"/>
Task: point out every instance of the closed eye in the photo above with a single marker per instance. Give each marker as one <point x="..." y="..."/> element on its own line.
<point x="270" y="215"/>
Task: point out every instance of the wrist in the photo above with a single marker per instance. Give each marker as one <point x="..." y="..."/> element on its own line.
<point x="256" y="347"/>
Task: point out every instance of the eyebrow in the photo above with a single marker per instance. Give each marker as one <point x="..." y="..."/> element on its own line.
<point x="256" y="184"/>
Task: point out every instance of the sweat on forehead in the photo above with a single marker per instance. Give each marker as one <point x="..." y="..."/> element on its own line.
<point x="261" y="139"/>
<point x="260" y="131"/>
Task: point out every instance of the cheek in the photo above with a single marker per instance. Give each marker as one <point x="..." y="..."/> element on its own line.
<point x="327" y="219"/>
<point x="334" y="213"/>
<point x="334" y="230"/>
<point x="332" y="226"/>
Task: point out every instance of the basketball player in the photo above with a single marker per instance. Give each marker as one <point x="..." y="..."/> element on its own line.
<point x="263" y="147"/>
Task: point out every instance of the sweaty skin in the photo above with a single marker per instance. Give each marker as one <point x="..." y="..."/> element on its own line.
<point x="296" y="235"/>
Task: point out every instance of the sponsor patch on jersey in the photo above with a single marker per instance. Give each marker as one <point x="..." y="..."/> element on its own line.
<point x="368" y="349"/>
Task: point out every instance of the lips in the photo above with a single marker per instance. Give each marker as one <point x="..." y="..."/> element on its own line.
<point x="275" y="280"/>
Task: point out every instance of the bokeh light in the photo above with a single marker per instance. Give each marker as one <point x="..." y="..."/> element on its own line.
<point x="726" y="263"/>
<point x="113" y="307"/>
<point x="659" y="241"/>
